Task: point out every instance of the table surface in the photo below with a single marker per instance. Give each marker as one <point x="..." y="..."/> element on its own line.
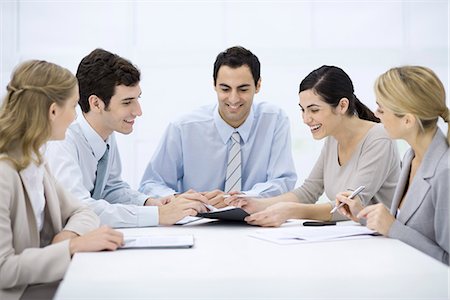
<point x="226" y="263"/>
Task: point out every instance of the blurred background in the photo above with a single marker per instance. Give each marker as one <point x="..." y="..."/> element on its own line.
<point x="175" y="43"/>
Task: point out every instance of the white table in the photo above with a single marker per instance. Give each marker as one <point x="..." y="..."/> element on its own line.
<point x="226" y="263"/>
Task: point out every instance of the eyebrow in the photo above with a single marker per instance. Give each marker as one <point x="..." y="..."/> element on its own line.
<point x="131" y="98"/>
<point x="240" y="86"/>
<point x="310" y="105"/>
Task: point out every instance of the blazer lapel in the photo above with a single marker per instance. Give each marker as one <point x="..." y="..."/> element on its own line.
<point x="30" y="212"/>
<point x="53" y="213"/>
<point x="402" y="181"/>
<point x="414" y="197"/>
<point x="420" y="185"/>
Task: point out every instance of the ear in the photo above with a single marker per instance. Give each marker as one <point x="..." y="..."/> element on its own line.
<point x="258" y="85"/>
<point x="53" y="111"/>
<point x="409" y="120"/>
<point x="95" y="103"/>
<point x="343" y="105"/>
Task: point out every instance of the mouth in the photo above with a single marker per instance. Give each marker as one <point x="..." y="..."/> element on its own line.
<point x="315" y="128"/>
<point x="129" y="122"/>
<point x="234" y="107"/>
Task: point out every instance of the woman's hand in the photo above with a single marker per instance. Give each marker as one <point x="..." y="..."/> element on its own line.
<point x="273" y="216"/>
<point x="351" y="207"/>
<point x="103" y="238"/>
<point x="378" y="218"/>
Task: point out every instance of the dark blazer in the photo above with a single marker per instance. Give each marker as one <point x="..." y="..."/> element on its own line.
<point x="423" y="220"/>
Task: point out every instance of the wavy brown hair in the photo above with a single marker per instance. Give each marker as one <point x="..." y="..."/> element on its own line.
<point x="24" y="114"/>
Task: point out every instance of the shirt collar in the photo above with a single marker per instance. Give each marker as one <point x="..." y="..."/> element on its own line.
<point x="225" y="130"/>
<point x="94" y="140"/>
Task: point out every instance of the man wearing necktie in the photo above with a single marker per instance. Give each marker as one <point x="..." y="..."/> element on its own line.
<point x="87" y="162"/>
<point x="234" y="146"/>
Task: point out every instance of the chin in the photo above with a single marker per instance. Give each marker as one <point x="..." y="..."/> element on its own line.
<point x="125" y="131"/>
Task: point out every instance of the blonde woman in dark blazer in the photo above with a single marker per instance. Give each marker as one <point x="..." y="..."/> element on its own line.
<point x="410" y="100"/>
<point x="41" y="225"/>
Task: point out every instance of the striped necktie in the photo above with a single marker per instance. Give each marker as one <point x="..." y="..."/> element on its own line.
<point x="100" y="179"/>
<point x="233" y="177"/>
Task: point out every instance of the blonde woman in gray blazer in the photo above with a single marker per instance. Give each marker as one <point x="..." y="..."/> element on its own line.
<point x="410" y="101"/>
<point x="41" y="225"/>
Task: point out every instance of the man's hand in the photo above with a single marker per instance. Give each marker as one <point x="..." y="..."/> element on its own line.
<point x="187" y="204"/>
<point x="215" y="198"/>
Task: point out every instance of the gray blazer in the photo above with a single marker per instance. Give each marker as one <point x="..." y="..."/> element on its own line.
<point x="423" y="221"/>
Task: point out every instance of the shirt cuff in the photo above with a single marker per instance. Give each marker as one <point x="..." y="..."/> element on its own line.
<point x="141" y="199"/>
<point x="147" y="216"/>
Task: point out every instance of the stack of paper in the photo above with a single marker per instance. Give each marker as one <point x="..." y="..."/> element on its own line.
<point x="295" y="235"/>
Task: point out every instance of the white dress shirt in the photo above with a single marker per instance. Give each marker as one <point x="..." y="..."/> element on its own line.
<point x="193" y="153"/>
<point x="34" y="184"/>
<point x="74" y="163"/>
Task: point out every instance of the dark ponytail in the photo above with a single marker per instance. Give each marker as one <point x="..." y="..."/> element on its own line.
<point x="332" y="84"/>
<point x="363" y="111"/>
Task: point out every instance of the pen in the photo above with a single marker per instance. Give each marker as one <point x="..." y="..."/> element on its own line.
<point x="355" y="192"/>
<point x="210" y="207"/>
<point x="241" y="196"/>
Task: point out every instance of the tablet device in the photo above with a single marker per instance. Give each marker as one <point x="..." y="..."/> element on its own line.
<point x="229" y="213"/>
<point x="158" y="241"/>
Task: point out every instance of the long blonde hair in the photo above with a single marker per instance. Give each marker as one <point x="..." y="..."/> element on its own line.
<point x="24" y="114"/>
<point x="415" y="90"/>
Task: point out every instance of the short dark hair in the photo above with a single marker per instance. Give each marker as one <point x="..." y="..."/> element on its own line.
<point x="100" y="72"/>
<point x="236" y="57"/>
<point x="332" y="84"/>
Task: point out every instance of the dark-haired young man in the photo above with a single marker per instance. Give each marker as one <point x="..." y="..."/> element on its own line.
<point x="235" y="146"/>
<point x="87" y="162"/>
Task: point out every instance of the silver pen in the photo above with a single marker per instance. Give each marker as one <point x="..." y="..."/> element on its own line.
<point x="355" y="192"/>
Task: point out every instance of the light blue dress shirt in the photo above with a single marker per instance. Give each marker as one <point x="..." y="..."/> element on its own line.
<point x="74" y="160"/>
<point x="193" y="154"/>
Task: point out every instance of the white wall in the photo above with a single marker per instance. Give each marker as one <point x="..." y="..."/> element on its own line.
<point x="175" y="43"/>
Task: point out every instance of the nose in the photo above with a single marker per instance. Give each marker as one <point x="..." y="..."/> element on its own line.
<point x="306" y="117"/>
<point x="234" y="97"/>
<point x="137" y="111"/>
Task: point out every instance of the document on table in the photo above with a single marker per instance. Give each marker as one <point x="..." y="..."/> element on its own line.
<point x="300" y="234"/>
<point x="159" y="241"/>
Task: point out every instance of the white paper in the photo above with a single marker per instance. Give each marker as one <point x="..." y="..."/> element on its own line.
<point x="159" y="241"/>
<point x="300" y="234"/>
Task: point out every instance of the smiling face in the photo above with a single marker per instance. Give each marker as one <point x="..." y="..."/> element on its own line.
<point x="318" y="115"/>
<point x="123" y="109"/>
<point x="235" y="89"/>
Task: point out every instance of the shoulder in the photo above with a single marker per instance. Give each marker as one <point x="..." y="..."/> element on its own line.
<point x="199" y="115"/>
<point x="8" y="171"/>
<point x="377" y="135"/>
<point x="266" y="108"/>
<point x="377" y="132"/>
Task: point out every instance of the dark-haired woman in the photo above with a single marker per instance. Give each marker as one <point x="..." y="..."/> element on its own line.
<point x="357" y="151"/>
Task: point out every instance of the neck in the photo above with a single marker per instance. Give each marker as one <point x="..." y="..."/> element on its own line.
<point x="420" y="142"/>
<point x="97" y="125"/>
<point x="349" y="131"/>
